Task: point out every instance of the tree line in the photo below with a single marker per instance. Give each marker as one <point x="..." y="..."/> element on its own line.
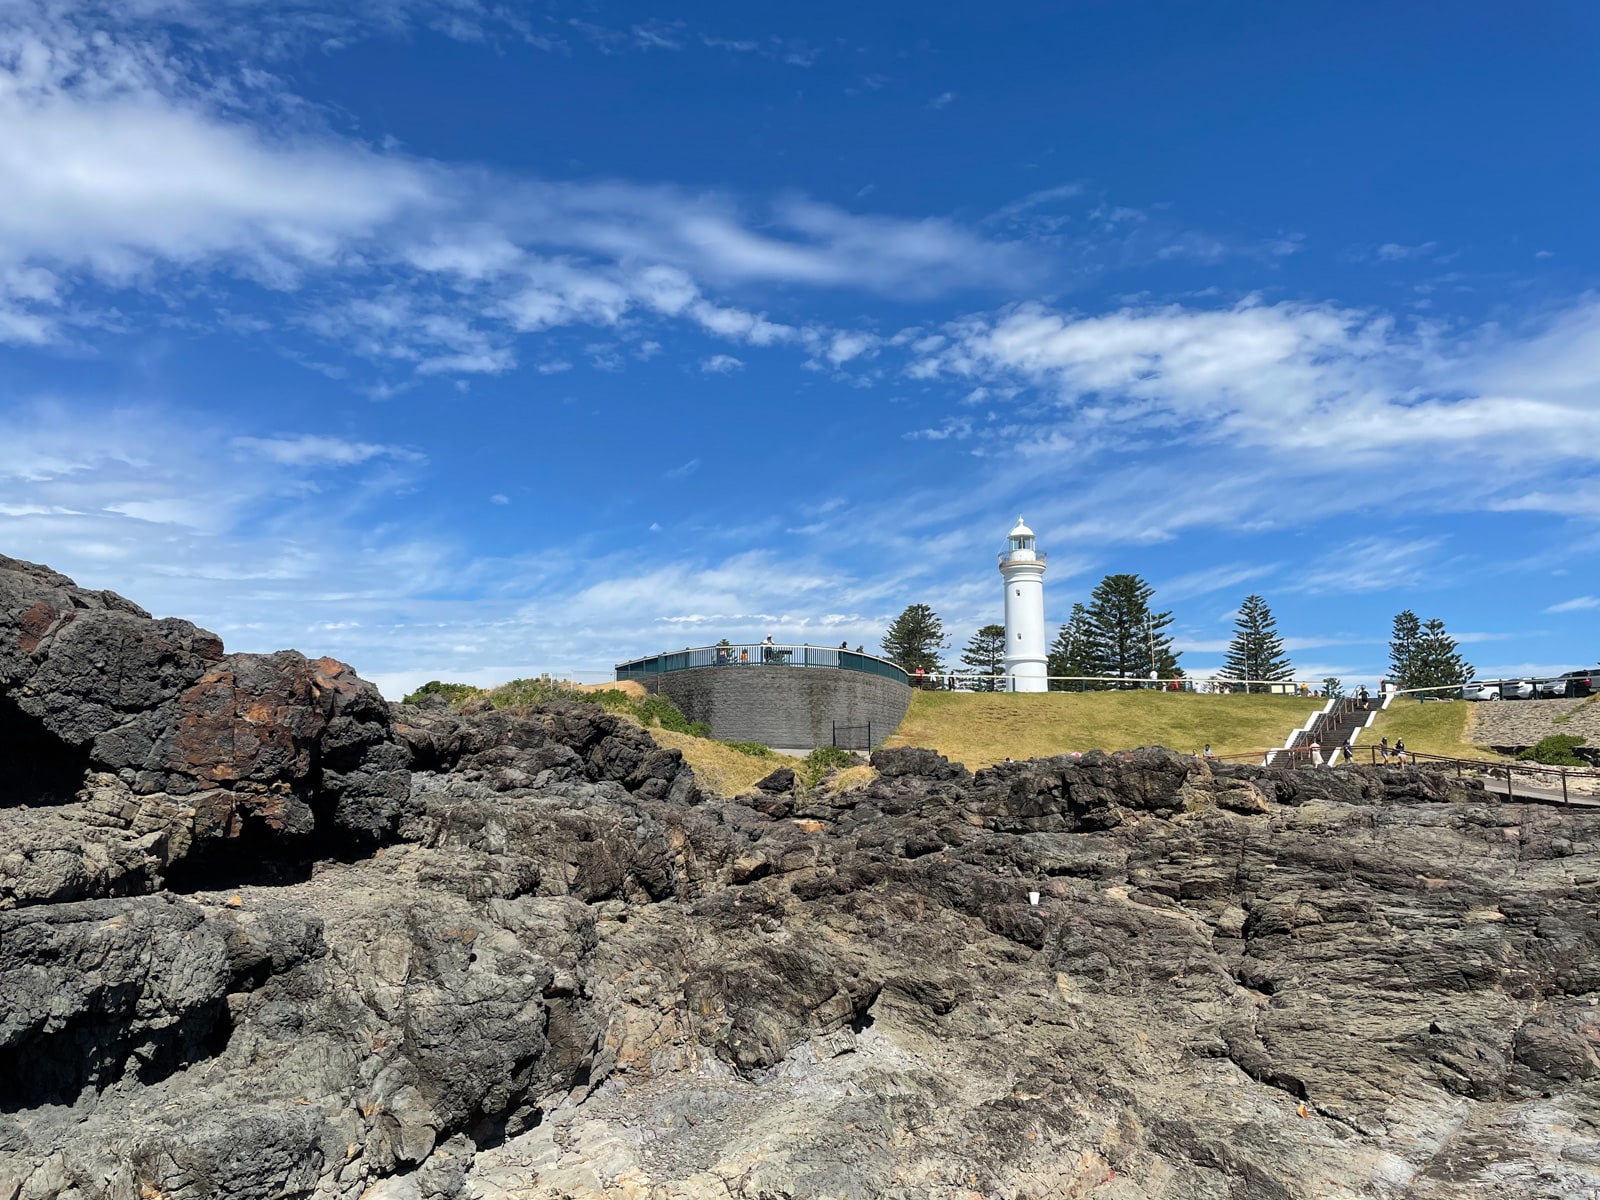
<point x="1119" y="634"/>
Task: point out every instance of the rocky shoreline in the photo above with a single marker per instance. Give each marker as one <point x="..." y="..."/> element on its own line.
<point x="263" y="935"/>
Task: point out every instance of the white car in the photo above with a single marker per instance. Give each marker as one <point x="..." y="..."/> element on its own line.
<point x="1516" y="689"/>
<point x="1480" y="691"/>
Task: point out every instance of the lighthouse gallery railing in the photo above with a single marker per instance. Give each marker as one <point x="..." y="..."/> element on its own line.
<point x="758" y="654"/>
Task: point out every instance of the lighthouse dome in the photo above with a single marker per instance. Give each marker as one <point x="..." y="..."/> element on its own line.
<point x="1021" y="530"/>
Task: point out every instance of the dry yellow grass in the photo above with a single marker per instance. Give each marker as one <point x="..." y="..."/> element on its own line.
<point x="980" y="729"/>
<point x="849" y="779"/>
<point x="1437" y="727"/>
<point x="725" y="771"/>
<point x="631" y="688"/>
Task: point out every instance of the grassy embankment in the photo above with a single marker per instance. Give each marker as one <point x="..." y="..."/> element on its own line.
<point x="1437" y="727"/>
<point x="720" y="767"/>
<point x="979" y="729"/>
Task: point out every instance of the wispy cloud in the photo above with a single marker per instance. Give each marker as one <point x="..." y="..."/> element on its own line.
<point x="312" y="450"/>
<point x="683" y="470"/>
<point x="198" y="173"/>
<point x="1394" y="252"/>
<point x="1576" y="604"/>
<point x="1369" y="564"/>
<point x="721" y="364"/>
<point x="1214" y="579"/>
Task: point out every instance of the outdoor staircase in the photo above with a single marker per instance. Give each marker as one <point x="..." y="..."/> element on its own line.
<point x="1338" y="721"/>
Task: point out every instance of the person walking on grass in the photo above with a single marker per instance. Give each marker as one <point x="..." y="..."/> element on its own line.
<point x="1316" y="753"/>
<point x="1383" y="749"/>
<point x="1347" y="751"/>
<point x="1400" y="751"/>
<point x="1207" y="752"/>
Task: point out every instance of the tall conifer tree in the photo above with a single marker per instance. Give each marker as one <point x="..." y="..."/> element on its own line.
<point x="1256" y="652"/>
<point x="1436" y="662"/>
<point x="986" y="655"/>
<point x="1129" y="641"/>
<point x="1403" y="648"/>
<point x="1072" y="653"/>
<point x="915" y="639"/>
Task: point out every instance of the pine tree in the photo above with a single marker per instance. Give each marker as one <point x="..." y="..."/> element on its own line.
<point x="1256" y="652"/>
<point x="1128" y="640"/>
<point x="1403" y="648"/>
<point x="915" y="639"/>
<point x="1072" y="653"/>
<point x="1333" y="687"/>
<point x="986" y="655"/>
<point x="1435" y="662"/>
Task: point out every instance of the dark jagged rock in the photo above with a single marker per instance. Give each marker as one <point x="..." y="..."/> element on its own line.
<point x="518" y="955"/>
<point x="777" y="783"/>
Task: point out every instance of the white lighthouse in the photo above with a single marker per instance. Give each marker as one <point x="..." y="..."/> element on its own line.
<point x="1022" y="567"/>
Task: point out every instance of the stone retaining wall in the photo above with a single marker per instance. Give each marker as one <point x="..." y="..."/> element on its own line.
<point x="791" y="707"/>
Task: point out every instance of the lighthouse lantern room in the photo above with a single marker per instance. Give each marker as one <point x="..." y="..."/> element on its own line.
<point x="1022" y="568"/>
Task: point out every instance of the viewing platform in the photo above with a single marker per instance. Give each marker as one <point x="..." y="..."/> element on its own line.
<point x="753" y="692"/>
<point x="761" y="654"/>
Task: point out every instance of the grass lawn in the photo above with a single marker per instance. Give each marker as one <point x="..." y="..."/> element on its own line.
<point x="1437" y="727"/>
<point x="978" y="729"/>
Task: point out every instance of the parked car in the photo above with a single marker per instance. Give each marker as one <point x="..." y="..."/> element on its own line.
<point x="1480" y="690"/>
<point x="1516" y="689"/>
<point x="1574" y="684"/>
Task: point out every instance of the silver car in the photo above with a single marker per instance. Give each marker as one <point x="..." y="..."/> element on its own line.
<point x="1516" y="689"/>
<point x="1479" y="690"/>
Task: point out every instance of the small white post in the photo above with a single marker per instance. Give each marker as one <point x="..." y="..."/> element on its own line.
<point x="1033" y="899"/>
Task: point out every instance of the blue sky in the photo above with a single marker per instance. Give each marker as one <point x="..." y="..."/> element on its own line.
<point x="463" y="340"/>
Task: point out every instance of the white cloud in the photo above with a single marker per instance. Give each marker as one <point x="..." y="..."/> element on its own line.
<point x="1394" y="252"/>
<point x="683" y="470"/>
<point x="844" y="346"/>
<point x="127" y="163"/>
<point x="942" y="100"/>
<point x="1213" y="579"/>
<point x="115" y="161"/>
<point x="1369" y="564"/>
<point x="721" y="364"/>
<point x="1576" y="604"/>
<point x="1297" y="379"/>
<point x="312" y="450"/>
<point x="499" y="498"/>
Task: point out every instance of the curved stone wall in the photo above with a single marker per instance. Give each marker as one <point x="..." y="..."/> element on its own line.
<point x="791" y="707"/>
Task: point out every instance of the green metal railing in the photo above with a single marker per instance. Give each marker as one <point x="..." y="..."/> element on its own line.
<point x="759" y="654"/>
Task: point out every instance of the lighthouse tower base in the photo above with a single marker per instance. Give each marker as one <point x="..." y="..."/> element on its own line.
<point x="1026" y="677"/>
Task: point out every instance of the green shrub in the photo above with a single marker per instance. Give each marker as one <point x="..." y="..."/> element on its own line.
<point x="521" y="693"/>
<point x="1555" y="750"/>
<point x="610" y="699"/>
<point x="453" y="693"/>
<point x="823" y="759"/>
<point x="753" y="749"/>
